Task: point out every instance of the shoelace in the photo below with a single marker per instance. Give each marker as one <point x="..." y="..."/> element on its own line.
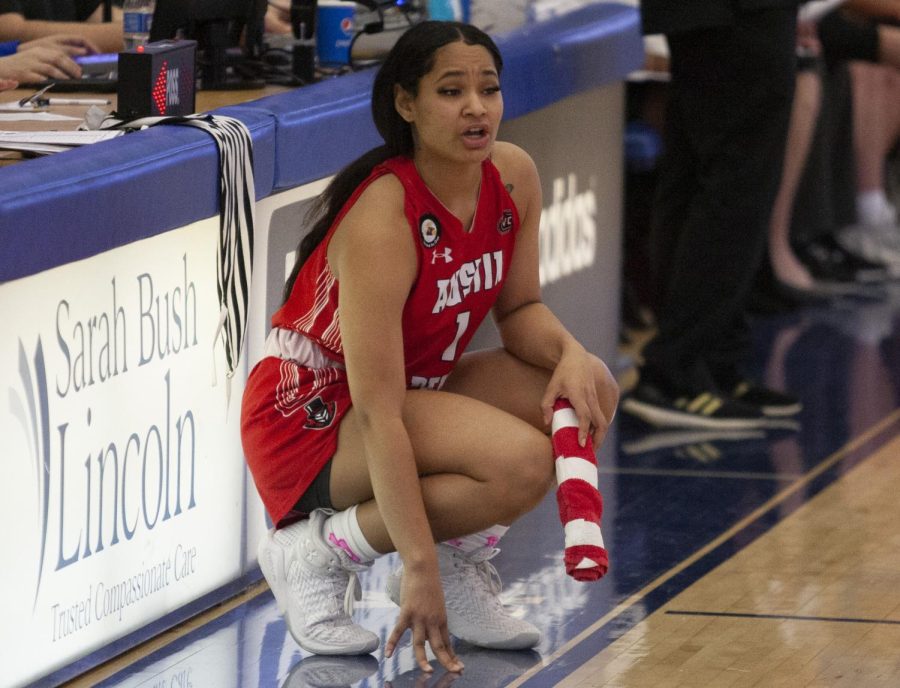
<point x="483" y="568"/>
<point x="353" y="593"/>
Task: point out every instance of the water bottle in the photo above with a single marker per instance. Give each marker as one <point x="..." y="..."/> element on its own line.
<point x="138" y="16"/>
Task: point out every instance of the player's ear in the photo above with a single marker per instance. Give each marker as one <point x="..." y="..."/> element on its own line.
<point x="404" y="103"/>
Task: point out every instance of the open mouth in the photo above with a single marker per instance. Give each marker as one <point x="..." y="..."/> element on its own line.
<point x="475" y="132"/>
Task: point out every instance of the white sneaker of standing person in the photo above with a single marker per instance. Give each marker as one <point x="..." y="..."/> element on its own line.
<point x="314" y="586"/>
<point x="471" y="596"/>
<point x="875" y="243"/>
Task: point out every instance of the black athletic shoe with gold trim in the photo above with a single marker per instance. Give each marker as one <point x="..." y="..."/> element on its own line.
<point x="771" y="402"/>
<point x="709" y="409"/>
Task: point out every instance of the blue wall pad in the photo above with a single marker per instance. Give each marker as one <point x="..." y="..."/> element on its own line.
<point x="588" y="48"/>
<point x="77" y="204"/>
<point x="73" y="205"/>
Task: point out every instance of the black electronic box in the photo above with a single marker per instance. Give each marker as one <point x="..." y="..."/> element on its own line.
<point x="157" y="79"/>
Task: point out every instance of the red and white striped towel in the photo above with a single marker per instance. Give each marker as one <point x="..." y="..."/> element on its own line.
<point x="579" y="500"/>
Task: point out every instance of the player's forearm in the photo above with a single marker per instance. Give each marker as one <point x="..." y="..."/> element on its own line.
<point x="534" y="334"/>
<point x="11" y="27"/>
<point x="395" y="482"/>
<point x="107" y="36"/>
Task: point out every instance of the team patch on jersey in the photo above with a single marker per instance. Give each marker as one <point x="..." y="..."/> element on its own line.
<point x="505" y="223"/>
<point x="429" y="230"/>
<point x="319" y="414"/>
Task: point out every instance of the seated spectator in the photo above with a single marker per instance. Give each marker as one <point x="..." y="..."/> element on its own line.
<point x="876" y="131"/>
<point x="27" y="20"/>
<point x="843" y="228"/>
<point x="844" y="122"/>
<point x="791" y="277"/>
<point x="876" y="124"/>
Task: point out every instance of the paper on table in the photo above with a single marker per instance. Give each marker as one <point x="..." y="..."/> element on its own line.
<point x="36" y="148"/>
<point x="57" y="138"/>
<point x="44" y="142"/>
<point x="25" y="115"/>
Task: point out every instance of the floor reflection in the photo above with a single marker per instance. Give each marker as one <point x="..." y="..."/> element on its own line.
<point x="331" y="672"/>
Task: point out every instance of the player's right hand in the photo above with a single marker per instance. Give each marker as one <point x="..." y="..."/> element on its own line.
<point x="422" y="611"/>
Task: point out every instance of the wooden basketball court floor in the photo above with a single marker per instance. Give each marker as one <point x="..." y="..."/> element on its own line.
<point x="752" y="559"/>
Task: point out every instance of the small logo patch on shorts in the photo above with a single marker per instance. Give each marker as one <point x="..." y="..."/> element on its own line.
<point x="319" y="414"/>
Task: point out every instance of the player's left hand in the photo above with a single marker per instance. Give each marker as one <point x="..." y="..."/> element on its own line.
<point x="590" y="387"/>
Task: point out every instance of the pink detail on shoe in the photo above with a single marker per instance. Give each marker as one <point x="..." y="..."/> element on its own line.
<point x="342" y="544"/>
<point x="455" y="542"/>
<point x="492" y="540"/>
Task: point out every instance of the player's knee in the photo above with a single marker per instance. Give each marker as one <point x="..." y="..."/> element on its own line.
<point x="527" y="475"/>
<point x="608" y="395"/>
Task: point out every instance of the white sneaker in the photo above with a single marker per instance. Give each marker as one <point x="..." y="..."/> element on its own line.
<point x="875" y="243"/>
<point x="314" y="587"/>
<point x="471" y="596"/>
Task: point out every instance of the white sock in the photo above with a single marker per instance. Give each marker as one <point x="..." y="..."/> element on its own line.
<point x="873" y="208"/>
<point x="342" y="532"/>
<point x="486" y="538"/>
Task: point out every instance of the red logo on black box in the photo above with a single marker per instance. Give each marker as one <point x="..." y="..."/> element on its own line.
<point x="159" y="88"/>
<point x="165" y="92"/>
<point x="158" y="80"/>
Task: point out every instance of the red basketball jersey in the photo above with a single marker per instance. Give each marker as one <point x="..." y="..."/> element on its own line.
<point x="460" y="275"/>
<point x="291" y="413"/>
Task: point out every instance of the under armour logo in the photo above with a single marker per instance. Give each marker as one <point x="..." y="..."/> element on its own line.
<point x="445" y="254"/>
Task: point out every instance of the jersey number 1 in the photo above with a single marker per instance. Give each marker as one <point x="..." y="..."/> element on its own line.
<point x="462" y="324"/>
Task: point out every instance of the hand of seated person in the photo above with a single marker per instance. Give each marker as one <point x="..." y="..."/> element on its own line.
<point x="72" y="45"/>
<point x="37" y="64"/>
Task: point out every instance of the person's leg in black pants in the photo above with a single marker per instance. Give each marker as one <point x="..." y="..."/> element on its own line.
<point x="730" y="101"/>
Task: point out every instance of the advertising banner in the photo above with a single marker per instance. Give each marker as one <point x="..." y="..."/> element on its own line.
<point x="123" y="476"/>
